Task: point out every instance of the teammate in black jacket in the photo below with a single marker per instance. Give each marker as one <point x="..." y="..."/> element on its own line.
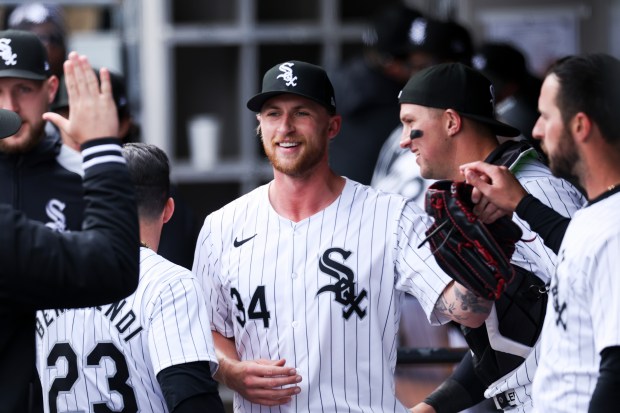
<point x="49" y="269"/>
<point x="31" y="178"/>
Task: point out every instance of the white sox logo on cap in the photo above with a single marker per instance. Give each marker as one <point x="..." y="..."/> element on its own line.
<point x="283" y="78"/>
<point x="287" y="73"/>
<point x="6" y="53"/>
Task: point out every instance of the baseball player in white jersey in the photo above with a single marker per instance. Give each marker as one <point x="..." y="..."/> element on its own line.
<point x="305" y="274"/>
<point x="150" y="352"/>
<point x="443" y="130"/>
<point x="580" y="345"/>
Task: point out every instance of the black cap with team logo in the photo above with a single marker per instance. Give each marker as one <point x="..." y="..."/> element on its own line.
<point x="10" y="122"/>
<point x="459" y="87"/>
<point x="22" y="55"/>
<point x="299" y="78"/>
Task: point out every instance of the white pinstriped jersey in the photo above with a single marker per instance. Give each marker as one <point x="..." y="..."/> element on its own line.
<point x="583" y="315"/>
<point x="111" y="354"/>
<point x="534" y="256"/>
<point x="323" y="293"/>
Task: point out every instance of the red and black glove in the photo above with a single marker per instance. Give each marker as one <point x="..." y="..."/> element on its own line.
<point x="475" y="254"/>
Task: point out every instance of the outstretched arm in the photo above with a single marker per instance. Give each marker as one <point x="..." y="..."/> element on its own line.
<point x="266" y="382"/>
<point x="497" y="192"/>
<point x="463" y="389"/>
<point x="46" y="269"/>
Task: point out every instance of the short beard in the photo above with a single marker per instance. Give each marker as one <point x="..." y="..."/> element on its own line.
<point x="565" y="162"/>
<point x="302" y="167"/>
<point x="25" y="144"/>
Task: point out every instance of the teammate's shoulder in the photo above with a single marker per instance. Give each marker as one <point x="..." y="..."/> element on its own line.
<point x="359" y="187"/>
<point x="378" y="197"/>
<point x="252" y="198"/>
<point x="154" y="267"/>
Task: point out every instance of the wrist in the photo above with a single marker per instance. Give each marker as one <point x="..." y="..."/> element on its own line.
<point x="521" y="196"/>
<point x="225" y="364"/>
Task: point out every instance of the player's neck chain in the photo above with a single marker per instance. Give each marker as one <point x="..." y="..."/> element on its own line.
<point x="144" y="244"/>
<point x="611" y="190"/>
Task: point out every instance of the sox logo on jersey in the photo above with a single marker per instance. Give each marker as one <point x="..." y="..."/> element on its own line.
<point x="559" y="308"/>
<point x="344" y="288"/>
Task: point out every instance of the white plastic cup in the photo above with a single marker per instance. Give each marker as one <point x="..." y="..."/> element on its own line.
<point x="204" y="141"/>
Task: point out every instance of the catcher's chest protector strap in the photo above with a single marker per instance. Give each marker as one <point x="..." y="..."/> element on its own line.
<point x="510" y="153"/>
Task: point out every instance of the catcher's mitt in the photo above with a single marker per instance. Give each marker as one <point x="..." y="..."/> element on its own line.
<point x="475" y="254"/>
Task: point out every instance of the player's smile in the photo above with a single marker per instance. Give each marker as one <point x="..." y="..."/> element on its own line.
<point x="288" y="146"/>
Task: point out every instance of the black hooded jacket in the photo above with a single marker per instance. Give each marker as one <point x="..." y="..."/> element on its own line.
<point x="41" y="268"/>
<point x="39" y="186"/>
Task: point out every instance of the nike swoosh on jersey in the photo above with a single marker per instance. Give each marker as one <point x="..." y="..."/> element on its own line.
<point x="237" y="244"/>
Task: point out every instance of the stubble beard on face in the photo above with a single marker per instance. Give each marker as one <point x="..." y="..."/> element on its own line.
<point x="427" y="171"/>
<point x="25" y="143"/>
<point x="565" y="159"/>
<point x="301" y="165"/>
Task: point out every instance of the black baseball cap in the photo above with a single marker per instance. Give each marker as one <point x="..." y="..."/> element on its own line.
<point x="459" y="87"/>
<point x="389" y="32"/>
<point x="23" y="56"/>
<point x="298" y="78"/>
<point x="10" y="122"/>
<point x="29" y="16"/>
<point x="501" y="61"/>
<point x="445" y="40"/>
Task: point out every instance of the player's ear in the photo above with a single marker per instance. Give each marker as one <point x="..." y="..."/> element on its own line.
<point x="580" y="126"/>
<point x="52" y="87"/>
<point x="335" y="122"/>
<point x="452" y="122"/>
<point x="168" y="210"/>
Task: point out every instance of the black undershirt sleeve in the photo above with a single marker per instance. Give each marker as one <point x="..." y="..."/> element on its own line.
<point x="190" y="387"/>
<point x="461" y="390"/>
<point x="605" y="396"/>
<point x="545" y="221"/>
<point x="207" y="403"/>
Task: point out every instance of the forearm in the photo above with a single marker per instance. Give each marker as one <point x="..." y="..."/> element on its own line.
<point x="189" y="387"/>
<point x="545" y="221"/>
<point x="462" y="306"/>
<point x="227" y="356"/>
<point x="608" y="384"/>
<point x="461" y="390"/>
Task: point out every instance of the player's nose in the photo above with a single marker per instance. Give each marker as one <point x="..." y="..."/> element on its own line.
<point x="9" y="102"/>
<point x="408" y="136"/>
<point x="285" y="124"/>
<point x="537" y="131"/>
